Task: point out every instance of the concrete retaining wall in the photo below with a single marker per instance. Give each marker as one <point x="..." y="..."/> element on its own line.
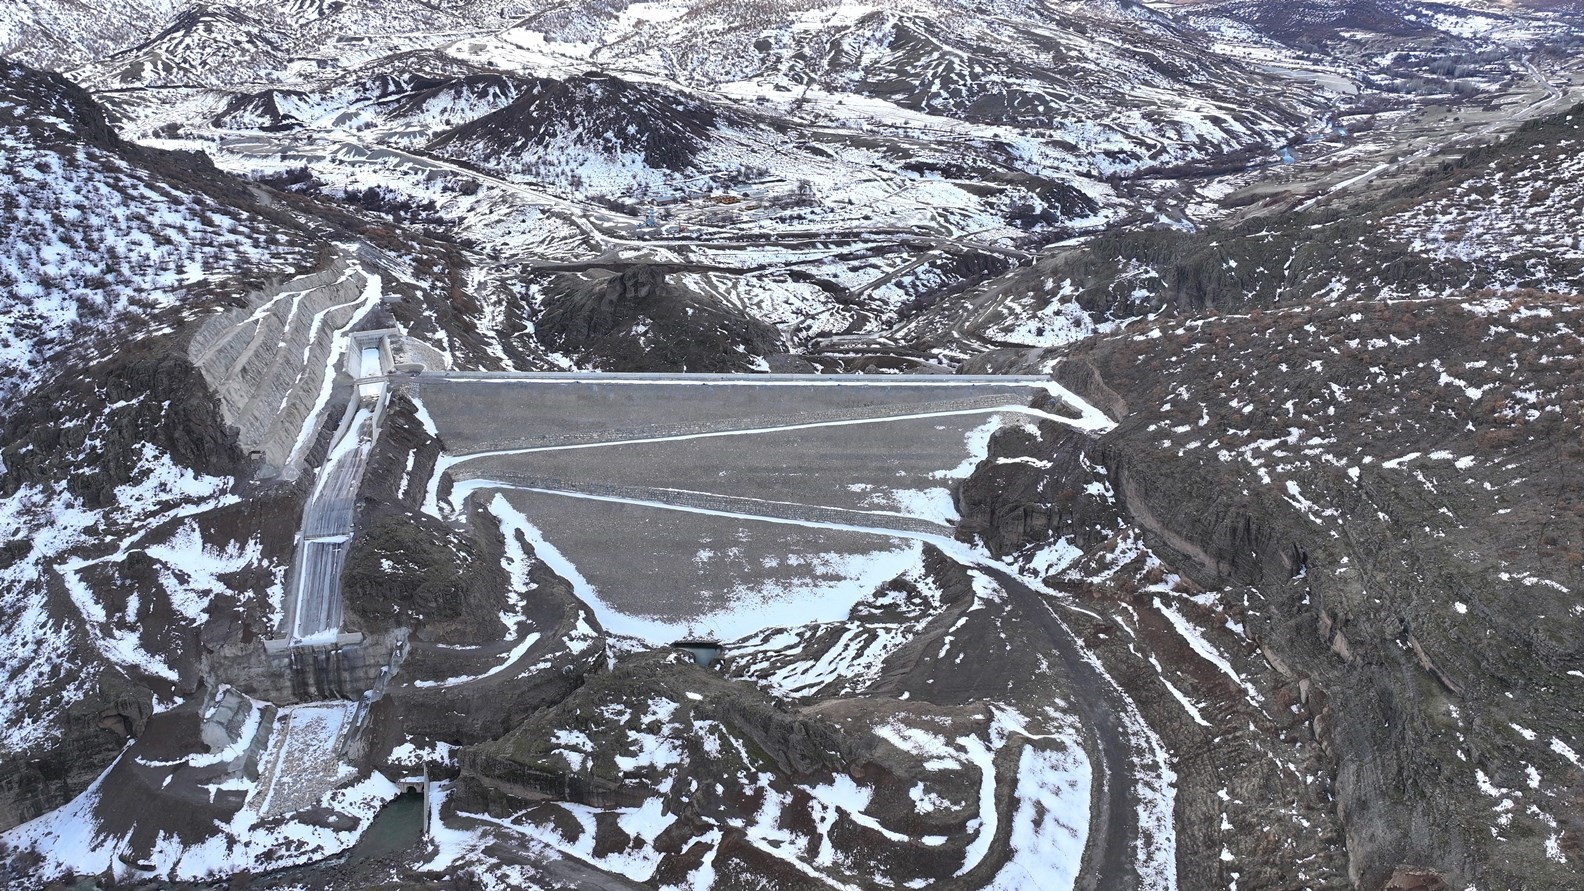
<point x="503" y="786"/>
<point x="267" y="360"/>
<point x="348" y="669"/>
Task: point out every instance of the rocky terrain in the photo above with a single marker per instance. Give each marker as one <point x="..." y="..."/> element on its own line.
<point x="1331" y="536"/>
<point x="1070" y="445"/>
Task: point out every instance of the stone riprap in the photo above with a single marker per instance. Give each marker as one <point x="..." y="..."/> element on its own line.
<point x="710" y="500"/>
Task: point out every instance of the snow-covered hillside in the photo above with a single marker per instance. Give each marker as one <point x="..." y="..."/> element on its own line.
<point x="60" y="33"/>
<point x="94" y="240"/>
<point x="105" y="461"/>
<point x="785" y="144"/>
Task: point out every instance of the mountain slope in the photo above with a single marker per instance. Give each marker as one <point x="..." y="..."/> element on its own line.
<point x="116" y="471"/>
<point x="1378" y="499"/>
<point x="1496" y="217"/>
<point x="1261" y="572"/>
<point x="1332" y="20"/>
<point x="591" y="118"/>
<point x="104" y="232"/>
<point x="58" y="33"/>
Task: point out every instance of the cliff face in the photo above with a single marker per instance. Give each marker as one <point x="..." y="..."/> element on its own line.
<point x="1384" y="502"/>
<point x="109" y="414"/>
<point x="91" y="734"/>
<point x="1011" y="503"/>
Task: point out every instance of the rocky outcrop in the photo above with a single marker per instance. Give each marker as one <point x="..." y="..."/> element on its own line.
<point x="409" y="569"/>
<point x="65" y="100"/>
<point x="527" y="765"/>
<point x="405" y="568"/>
<point x="566" y="652"/>
<point x="443" y="591"/>
<point x="109" y="415"/>
<point x="637" y="318"/>
<point x="93" y="732"/>
<point x="1031" y="489"/>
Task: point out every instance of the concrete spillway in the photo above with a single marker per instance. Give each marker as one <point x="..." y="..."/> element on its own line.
<point x="313" y="609"/>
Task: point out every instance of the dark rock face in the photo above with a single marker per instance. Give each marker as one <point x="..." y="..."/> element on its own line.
<point x="89" y="431"/>
<point x="1011" y="504"/>
<point x="405" y="94"/>
<point x="402" y="567"/>
<point x="798" y="745"/>
<point x="49" y="93"/>
<point x="492" y="706"/>
<point x="721" y="754"/>
<point x="637" y="319"/>
<point x="159" y="400"/>
<point x="93" y="733"/>
<point x="615" y="710"/>
<point x="407" y="569"/>
<point x="1401" y="524"/>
